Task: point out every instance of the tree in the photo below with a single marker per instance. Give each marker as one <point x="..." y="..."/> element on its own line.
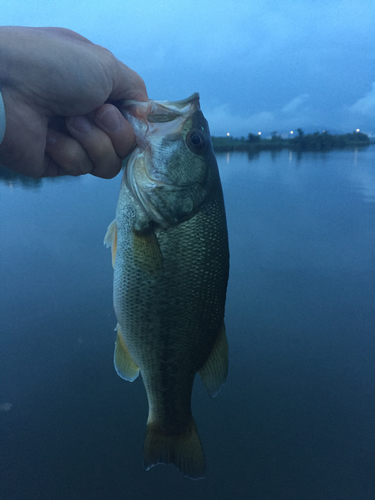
<point x="254" y="138"/>
<point x="300" y="132"/>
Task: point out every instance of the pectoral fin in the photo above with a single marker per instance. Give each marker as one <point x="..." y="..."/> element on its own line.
<point x="147" y="254"/>
<point x="110" y="240"/>
<point x="124" y="364"/>
<point x="214" y="372"/>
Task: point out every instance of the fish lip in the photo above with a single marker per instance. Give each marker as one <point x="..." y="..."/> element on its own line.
<point x="143" y="106"/>
<point x="140" y="114"/>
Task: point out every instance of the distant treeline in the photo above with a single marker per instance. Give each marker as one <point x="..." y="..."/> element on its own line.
<point x="302" y="142"/>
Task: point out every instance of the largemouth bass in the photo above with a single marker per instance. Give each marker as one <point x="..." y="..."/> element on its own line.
<point x="171" y="262"/>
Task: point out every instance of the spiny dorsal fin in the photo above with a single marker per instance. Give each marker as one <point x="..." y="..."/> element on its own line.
<point x="125" y="366"/>
<point x="146" y="250"/>
<point x="110" y="240"/>
<point x="214" y="372"/>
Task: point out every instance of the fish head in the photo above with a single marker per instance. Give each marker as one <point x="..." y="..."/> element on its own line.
<point x="168" y="172"/>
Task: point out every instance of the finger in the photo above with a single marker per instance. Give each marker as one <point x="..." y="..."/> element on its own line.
<point x="109" y="119"/>
<point x="97" y="146"/>
<point x="65" y="156"/>
<point x="128" y="84"/>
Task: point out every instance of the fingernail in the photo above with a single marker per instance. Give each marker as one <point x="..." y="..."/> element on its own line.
<point x="80" y="123"/>
<point x="111" y="120"/>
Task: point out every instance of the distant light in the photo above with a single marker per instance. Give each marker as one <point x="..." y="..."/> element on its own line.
<point x="228" y="134"/>
<point x="291" y="131"/>
<point x="357" y="129"/>
<point x="259" y="133"/>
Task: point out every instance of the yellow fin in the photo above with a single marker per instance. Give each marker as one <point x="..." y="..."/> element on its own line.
<point x="110" y="240"/>
<point x="125" y="366"/>
<point x="147" y="254"/>
<point x="182" y="450"/>
<point x="214" y="372"/>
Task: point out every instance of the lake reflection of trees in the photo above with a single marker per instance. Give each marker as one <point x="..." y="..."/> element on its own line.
<point x="11" y="178"/>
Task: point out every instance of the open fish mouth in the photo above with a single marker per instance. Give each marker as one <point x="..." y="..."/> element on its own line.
<point x="164" y="111"/>
<point x="145" y="116"/>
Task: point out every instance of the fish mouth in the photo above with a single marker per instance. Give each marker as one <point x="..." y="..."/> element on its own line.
<point x="145" y="117"/>
<point x="153" y="109"/>
<point x="184" y="106"/>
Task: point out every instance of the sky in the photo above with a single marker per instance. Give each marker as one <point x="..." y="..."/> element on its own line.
<point x="259" y="65"/>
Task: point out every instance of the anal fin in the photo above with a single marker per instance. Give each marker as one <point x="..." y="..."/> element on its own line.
<point x="124" y="365"/>
<point x="214" y="372"/>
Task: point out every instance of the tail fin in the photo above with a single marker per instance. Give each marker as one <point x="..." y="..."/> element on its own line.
<point x="183" y="450"/>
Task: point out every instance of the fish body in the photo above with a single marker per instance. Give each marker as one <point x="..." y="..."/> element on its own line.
<point x="171" y="262"/>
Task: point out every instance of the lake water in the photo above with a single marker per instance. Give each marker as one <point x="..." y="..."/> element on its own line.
<point x="296" y="418"/>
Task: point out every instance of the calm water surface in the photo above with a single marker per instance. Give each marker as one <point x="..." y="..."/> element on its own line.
<point x="295" y="420"/>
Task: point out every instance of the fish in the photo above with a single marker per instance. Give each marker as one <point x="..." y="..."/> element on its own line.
<point x="170" y="255"/>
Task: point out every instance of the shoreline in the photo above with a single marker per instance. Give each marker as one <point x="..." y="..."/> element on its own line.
<point x="309" y="142"/>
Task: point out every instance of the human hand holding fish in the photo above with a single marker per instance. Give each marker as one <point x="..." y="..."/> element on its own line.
<point x="58" y="90"/>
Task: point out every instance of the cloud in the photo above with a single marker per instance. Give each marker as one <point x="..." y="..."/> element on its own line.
<point x="293" y="114"/>
<point x="296" y="103"/>
<point x="222" y="120"/>
<point x="365" y="106"/>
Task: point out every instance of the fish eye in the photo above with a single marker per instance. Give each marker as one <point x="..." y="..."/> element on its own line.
<point x="195" y="140"/>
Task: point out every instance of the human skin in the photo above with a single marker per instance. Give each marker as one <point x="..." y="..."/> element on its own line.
<point x="59" y="91"/>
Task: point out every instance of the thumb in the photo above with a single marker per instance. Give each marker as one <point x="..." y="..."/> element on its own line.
<point x="127" y="84"/>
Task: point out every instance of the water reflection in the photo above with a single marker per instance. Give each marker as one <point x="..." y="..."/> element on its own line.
<point x="298" y="168"/>
<point x="363" y="180"/>
<point x="356" y="166"/>
<point x="11" y="179"/>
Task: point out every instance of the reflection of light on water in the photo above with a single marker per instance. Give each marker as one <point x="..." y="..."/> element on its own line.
<point x="364" y="183"/>
<point x="5" y="406"/>
<point x="290" y="154"/>
<point x="228" y="157"/>
<point x="355" y="156"/>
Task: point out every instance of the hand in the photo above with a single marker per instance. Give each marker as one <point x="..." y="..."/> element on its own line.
<point x="58" y="90"/>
